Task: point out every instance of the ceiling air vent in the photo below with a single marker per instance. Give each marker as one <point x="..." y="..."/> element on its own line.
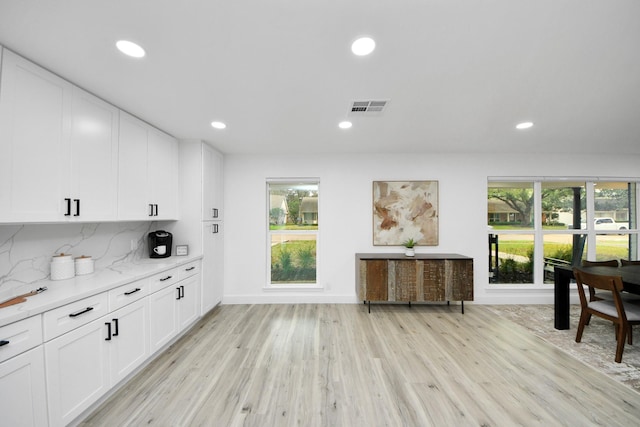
<point x="369" y="106"/>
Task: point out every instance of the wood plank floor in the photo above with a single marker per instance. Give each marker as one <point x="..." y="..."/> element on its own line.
<point x="336" y="365"/>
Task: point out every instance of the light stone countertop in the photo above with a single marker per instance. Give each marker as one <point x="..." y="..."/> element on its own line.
<point x="61" y="292"/>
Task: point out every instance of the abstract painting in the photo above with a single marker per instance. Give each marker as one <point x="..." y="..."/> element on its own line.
<point x="405" y="210"/>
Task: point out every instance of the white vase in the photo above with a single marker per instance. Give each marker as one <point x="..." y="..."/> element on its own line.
<point x="409" y="252"/>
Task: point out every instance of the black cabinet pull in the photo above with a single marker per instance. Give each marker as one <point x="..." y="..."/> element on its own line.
<point x="133" y="291"/>
<point x="214" y="228"/>
<point x="78" y="313"/>
<point x="150" y="209"/>
<point x="166" y="278"/>
<point x="68" y="213"/>
<point x="115" y="321"/>
<point x="189" y="269"/>
<point x="108" y="338"/>
<point x="182" y="291"/>
<point x="3" y="343"/>
<point x="215" y="213"/>
<point x="156" y="210"/>
<point x="77" y="201"/>
<point x="179" y="295"/>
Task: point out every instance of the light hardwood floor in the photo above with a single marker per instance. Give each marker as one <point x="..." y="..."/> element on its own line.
<point x="336" y="365"/>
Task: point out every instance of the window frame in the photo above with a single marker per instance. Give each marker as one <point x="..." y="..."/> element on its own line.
<point x="539" y="233"/>
<point x="316" y="233"/>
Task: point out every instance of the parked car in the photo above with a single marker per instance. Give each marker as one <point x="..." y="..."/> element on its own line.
<point x="607" y="223"/>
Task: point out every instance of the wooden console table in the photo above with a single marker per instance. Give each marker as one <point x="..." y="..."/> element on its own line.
<point x="423" y="277"/>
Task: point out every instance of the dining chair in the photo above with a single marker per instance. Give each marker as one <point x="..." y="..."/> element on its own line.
<point x="623" y="315"/>
<point x="609" y="263"/>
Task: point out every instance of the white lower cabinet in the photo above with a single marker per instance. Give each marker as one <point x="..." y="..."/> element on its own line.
<point x="54" y="367"/>
<point x="77" y="371"/>
<point x="130" y="347"/>
<point x="189" y="302"/>
<point x="82" y="365"/>
<point x="22" y="387"/>
<point x="172" y="309"/>
<point x="163" y="312"/>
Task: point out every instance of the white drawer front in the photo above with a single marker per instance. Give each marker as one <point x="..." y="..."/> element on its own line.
<point x="66" y="318"/>
<point x="162" y="280"/>
<point x="123" y="295"/>
<point x="20" y="336"/>
<point x="190" y="269"/>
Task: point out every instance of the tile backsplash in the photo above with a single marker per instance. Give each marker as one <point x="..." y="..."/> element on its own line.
<point x="26" y="249"/>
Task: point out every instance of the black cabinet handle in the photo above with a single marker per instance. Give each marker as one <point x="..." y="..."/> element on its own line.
<point x="156" y="210"/>
<point x="215" y="212"/>
<point x="150" y="209"/>
<point x="115" y="321"/>
<point x="182" y="291"/>
<point x="3" y="343"/>
<point x="214" y="228"/>
<point x="77" y="201"/>
<point x="166" y="278"/>
<point x="68" y="213"/>
<point x="179" y="295"/>
<point x="189" y="269"/>
<point x="108" y="338"/>
<point x="133" y="291"/>
<point x="78" y="313"/>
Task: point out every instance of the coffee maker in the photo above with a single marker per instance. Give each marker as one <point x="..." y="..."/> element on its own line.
<point x="160" y="242"/>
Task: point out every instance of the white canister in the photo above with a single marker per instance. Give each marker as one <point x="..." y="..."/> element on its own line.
<point x="84" y="265"/>
<point x="62" y="267"/>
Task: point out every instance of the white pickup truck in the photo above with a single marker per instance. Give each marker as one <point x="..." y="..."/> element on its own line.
<point x="607" y="223"/>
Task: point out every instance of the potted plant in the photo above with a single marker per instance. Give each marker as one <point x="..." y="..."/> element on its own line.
<point x="409" y="244"/>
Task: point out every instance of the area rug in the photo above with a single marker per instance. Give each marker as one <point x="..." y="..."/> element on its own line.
<point x="597" y="348"/>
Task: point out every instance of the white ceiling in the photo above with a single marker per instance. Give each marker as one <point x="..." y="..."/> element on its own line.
<point x="459" y="74"/>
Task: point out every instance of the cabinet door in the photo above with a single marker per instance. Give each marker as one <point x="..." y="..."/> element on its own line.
<point x="212" y="184"/>
<point x="77" y="371"/>
<point x="94" y="159"/>
<point x="212" y="265"/>
<point x="189" y="302"/>
<point x="22" y="383"/>
<point x="34" y="142"/>
<point x="162" y="175"/>
<point x="163" y="317"/>
<point x="130" y="347"/>
<point x="132" y="169"/>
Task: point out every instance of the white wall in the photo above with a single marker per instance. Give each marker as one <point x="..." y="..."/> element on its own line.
<point x="346" y="213"/>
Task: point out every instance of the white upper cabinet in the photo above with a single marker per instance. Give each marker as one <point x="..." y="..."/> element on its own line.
<point x="65" y="156"/>
<point x="148" y="172"/>
<point x="212" y="185"/>
<point x="132" y="173"/>
<point x="58" y="148"/>
<point x="162" y="174"/>
<point x="94" y="158"/>
<point x="35" y="126"/>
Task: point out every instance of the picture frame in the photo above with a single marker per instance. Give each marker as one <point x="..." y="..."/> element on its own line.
<point x="404" y="210"/>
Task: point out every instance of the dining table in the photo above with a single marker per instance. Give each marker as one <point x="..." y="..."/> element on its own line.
<point x="563" y="276"/>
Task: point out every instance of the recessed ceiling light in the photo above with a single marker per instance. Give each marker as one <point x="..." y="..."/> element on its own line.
<point x="363" y="46"/>
<point x="345" y="125"/>
<point x="524" y="125"/>
<point x="130" y="49"/>
<point x="218" y="125"/>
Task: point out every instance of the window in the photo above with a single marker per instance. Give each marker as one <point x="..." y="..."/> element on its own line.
<point x="292" y="233"/>
<point x="535" y="225"/>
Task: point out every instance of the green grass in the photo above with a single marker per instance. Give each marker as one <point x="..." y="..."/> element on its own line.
<point x="530" y="228"/>
<point x="523" y="247"/>
<point x="293" y="227"/>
